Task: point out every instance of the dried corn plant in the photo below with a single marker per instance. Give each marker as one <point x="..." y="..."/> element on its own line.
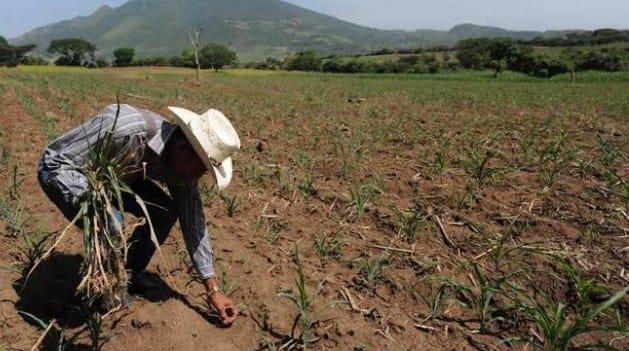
<point x="101" y="217"/>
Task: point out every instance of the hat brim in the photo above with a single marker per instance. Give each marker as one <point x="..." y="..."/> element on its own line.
<point x="223" y="172"/>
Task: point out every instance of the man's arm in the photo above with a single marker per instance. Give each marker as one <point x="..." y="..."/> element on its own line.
<point x="192" y="220"/>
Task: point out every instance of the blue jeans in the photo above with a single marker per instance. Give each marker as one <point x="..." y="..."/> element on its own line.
<point x="160" y="208"/>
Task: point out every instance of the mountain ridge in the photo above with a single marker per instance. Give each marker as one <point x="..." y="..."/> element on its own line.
<point x="255" y="29"/>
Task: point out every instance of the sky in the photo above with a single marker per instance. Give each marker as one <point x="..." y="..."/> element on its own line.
<point x="17" y="17"/>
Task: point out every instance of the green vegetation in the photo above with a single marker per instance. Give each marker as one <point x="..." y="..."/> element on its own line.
<point x="226" y="284"/>
<point x="410" y="222"/>
<point x="482" y="298"/>
<point x="232" y="203"/>
<point x="507" y="53"/>
<point x="304" y="61"/>
<point x="72" y="51"/>
<point x="584" y="38"/>
<point x="360" y="199"/>
<point x="304" y="302"/>
<point x="558" y="330"/>
<point x="372" y="271"/>
<point x="327" y="247"/>
<point x="216" y="56"/>
<point x="479" y="53"/>
<point x="123" y="57"/>
<point x="12" y="56"/>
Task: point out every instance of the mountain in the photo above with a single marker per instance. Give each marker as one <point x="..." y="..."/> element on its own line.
<point x="253" y="28"/>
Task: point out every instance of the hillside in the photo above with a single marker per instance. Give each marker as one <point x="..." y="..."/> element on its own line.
<point x="255" y="29"/>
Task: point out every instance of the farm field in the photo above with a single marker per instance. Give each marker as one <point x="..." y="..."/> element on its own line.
<point x="436" y="212"/>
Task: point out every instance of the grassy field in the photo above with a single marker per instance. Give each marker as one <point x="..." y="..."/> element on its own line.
<point x="412" y="212"/>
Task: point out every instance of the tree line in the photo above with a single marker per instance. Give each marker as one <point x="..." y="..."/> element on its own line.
<point x="502" y="53"/>
<point x="80" y="52"/>
<point x="12" y="56"/>
<point x="582" y="38"/>
<point x="497" y="54"/>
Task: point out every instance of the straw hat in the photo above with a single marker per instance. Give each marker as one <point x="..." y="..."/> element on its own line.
<point x="213" y="138"/>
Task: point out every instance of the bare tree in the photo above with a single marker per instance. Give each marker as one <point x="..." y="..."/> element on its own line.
<point x="194" y="37"/>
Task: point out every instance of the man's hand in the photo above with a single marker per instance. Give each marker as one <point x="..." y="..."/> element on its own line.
<point x="225" y="307"/>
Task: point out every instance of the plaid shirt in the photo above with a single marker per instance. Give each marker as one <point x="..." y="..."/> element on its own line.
<point x="66" y="155"/>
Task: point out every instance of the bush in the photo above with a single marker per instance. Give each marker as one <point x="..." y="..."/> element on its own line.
<point x="452" y="65"/>
<point x="35" y="61"/>
<point x="338" y="65"/>
<point x="473" y="53"/>
<point x="216" y="56"/>
<point x="538" y="65"/>
<point x="101" y="63"/>
<point x="409" y="60"/>
<point x="162" y="61"/>
<point x="177" y="61"/>
<point x="354" y="66"/>
<point x="123" y="57"/>
<point x="273" y="63"/>
<point x="304" y="61"/>
<point x="434" y="67"/>
<point x="611" y="61"/>
<point x="419" y="68"/>
<point x="333" y="65"/>
<point x="383" y="51"/>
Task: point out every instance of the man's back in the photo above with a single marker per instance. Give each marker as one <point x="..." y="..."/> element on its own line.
<point x="134" y="128"/>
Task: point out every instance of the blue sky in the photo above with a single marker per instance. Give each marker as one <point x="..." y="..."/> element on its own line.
<point x="17" y="17"/>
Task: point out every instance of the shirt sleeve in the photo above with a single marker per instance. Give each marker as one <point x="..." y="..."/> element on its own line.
<point x="192" y="219"/>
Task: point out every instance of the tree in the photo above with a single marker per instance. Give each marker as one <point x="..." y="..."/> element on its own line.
<point x="542" y="66"/>
<point x="187" y="58"/>
<point x="123" y="56"/>
<point x="194" y="38"/>
<point x="498" y="66"/>
<point x="217" y="56"/>
<point x="572" y="57"/>
<point x="503" y="49"/>
<point x="101" y="63"/>
<point x="611" y="61"/>
<point x="304" y="61"/>
<point x="484" y="52"/>
<point x="474" y="53"/>
<point x="12" y="56"/>
<point x="333" y="65"/>
<point x="73" y="51"/>
<point x="273" y="63"/>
